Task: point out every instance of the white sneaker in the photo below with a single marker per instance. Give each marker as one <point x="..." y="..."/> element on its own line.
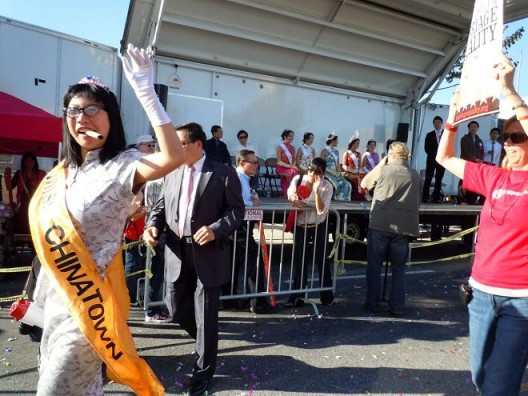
<point x="158" y="318"/>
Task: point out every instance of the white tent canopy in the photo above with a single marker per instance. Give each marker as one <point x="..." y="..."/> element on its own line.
<point x="396" y="49"/>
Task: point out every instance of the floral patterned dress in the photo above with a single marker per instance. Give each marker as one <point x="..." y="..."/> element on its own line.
<point x="353" y="166"/>
<point x="342" y="187"/>
<point x="96" y="197"/>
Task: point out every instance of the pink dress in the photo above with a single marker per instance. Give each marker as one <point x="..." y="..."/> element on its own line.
<point x="288" y="172"/>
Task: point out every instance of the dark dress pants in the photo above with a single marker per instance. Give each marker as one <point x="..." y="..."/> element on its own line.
<point x="249" y="263"/>
<point x="309" y="247"/>
<point x="433" y="168"/>
<point x="195" y="308"/>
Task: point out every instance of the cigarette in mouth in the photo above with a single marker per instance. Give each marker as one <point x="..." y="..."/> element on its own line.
<point x="94" y="134"/>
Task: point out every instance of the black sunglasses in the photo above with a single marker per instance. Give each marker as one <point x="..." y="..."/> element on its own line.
<point x="243" y="137"/>
<point x="516" y="137"/>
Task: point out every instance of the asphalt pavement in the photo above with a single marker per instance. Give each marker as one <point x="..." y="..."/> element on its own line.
<point x="344" y="351"/>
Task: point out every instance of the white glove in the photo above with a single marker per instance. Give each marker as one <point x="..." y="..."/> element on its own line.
<point x="139" y="72"/>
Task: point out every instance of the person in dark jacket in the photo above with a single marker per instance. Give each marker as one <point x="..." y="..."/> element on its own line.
<point x="432" y="167"/>
<point x="215" y="149"/>
<point x="200" y="207"/>
<point x="472" y="150"/>
<point x="393" y="222"/>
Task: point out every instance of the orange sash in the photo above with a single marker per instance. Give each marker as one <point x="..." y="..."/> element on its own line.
<point x="99" y="306"/>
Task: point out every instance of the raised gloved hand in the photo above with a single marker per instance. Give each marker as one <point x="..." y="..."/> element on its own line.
<point x="139" y="72"/>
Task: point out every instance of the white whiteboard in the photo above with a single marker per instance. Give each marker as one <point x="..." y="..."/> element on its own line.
<point x="206" y="112"/>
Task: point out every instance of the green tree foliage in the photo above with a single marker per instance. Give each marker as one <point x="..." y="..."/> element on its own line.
<point x="507" y="43"/>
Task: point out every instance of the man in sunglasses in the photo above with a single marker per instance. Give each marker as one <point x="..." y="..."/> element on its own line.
<point x="134" y="258"/>
<point x="243" y="144"/>
<point x="146" y="144"/>
<point x="154" y="314"/>
<point x="199" y="208"/>
<point x="247" y="258"/>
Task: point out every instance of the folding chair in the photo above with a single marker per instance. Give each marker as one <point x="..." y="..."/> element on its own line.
<point x="273" y="180"/>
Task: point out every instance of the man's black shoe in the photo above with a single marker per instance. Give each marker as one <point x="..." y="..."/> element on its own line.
<point x="327" y="302"/>
<point x="371" y="309"/>
<point x="198" y="387"/>
<point x="262" y="309"/>
<point x="394" y="314"/>
<point x="230" y="304"/>
<point x="243" y="303"/>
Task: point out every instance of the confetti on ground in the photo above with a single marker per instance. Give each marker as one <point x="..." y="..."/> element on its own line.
<point x="179" y="384"/>
<point x="11" y="339"/>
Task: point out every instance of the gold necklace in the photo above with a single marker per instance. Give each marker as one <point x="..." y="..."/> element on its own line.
<point x="490" y="210"/>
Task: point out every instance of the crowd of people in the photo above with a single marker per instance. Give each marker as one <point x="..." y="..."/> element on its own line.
<point x="180" y="193"/>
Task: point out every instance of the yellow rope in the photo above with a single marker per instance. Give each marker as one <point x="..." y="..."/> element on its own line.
<point x="12" y="298"/>
<point x="16" y="269"/>
<point x="414" y="245"/>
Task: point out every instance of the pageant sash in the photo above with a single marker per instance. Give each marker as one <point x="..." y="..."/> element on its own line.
<point x="287" y="153"/>
<point x="99" y="306"/>
<point x="354" y="158"/>
<point x="370" y="160"/>
<point x="333" y="153"/>
<point x="306" y="150"/>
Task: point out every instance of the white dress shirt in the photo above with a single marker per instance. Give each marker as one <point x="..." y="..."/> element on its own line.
<point x="496" y="147"/>
<point x="186" y="213"/>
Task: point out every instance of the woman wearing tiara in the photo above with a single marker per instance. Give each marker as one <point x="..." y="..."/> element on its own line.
<point x="330" y="154"/>
<point x="305" y="153"/>
<point x="352" y="168"/>
<point x="77" y="216"/>
<point x="286" y="166"/>
<point x="370" y="158"/>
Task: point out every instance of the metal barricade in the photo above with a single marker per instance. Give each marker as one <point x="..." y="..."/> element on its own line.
<point x="276" y="259"/>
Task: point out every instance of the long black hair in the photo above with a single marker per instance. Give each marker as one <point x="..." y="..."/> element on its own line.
<point x="25" y="156"/>
<point x="115" y="142"/>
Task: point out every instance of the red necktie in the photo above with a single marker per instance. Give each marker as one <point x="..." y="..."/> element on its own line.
<point x="186" y="200"/>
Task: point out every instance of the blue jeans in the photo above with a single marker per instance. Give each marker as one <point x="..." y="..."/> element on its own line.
<point x="498" y="329"/>
<point x="381" y="246"/>
<point x="134" y="261"/>
<point x="157" y="268"/>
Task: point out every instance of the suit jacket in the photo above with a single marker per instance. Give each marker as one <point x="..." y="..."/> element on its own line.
<point x="431" y="147"/>
<point x="469" y="150"/>
<point x="218" y="204"/>
<point x="217" y="152"/>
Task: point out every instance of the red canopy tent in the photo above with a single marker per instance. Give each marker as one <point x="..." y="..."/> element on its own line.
<point x="24" y="127"/>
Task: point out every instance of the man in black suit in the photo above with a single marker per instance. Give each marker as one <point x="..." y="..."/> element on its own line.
<point x="215" y="149"/>
<point x="201" y="205"/>
<point x="432" y="167"/>
<point x="472" y="150"/>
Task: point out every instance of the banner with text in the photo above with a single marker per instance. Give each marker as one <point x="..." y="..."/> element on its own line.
<point x="479" y="91"/>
